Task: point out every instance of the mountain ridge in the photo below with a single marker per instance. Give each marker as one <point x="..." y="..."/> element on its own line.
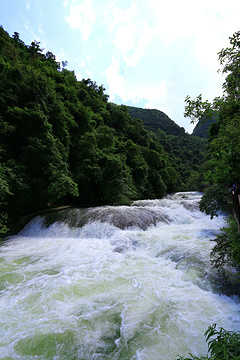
<point x="154" y="120"/>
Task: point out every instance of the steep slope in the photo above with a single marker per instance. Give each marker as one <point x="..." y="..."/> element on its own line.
<point x="155" y="119"/>
<point x="62" y="141"/>
<point x="202" y="127"/>
<point x="186" y="152"/>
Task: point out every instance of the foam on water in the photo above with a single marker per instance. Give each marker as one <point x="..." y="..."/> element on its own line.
<point x="102" y="292"/>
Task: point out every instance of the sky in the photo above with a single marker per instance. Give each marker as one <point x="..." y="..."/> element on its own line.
<point x="146" y="53"/>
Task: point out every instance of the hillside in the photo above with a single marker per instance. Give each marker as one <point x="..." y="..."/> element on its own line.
<point x="202" y="127"/>
<point x="62" y="141"/>
<point x="186" y="152"/>
<point x="155" y="119"/>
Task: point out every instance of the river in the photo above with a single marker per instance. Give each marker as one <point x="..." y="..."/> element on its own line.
<point x="124" y="282"/>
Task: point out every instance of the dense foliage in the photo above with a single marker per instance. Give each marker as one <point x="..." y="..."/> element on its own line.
<point x="202" y="127"/>
<point x="186" y="152"/>
<point x="154" y="120"/>
<point x="222" y="345"/>
<point x="226" y="254"/>
<point x="221" y="171"/>
<point x="224" y="144"/>
<point x="222" y="167"/>
<point x="63" y="142"/>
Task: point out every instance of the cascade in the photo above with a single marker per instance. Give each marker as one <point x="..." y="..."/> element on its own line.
<point x="113" y="282"/>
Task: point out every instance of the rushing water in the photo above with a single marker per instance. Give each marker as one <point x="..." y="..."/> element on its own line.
<point x="113" y="283"/>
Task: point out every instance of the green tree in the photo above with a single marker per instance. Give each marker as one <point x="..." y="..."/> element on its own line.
<point x="224" y="142"/>
<point x="63" y="142"/>
<point x="4" y="194"/>
<point x="223" y="157"/>
<point x="222" y="345"/>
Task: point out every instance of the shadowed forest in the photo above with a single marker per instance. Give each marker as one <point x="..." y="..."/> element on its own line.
<point x="63" y="142"/>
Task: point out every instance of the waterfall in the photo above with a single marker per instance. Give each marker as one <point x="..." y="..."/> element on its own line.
<point x="123" y="282"/>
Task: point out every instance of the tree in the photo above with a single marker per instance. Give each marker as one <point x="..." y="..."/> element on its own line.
<point x="4" y="193"/>
<point x="222" y="345"/>
<point x="62" y="142"/>
<point x="224" y="143"/>
<point x="223" y="157"/>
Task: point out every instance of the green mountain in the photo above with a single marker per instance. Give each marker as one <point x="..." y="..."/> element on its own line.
<point x="202" y="127"/>
<point x="155" y="119"/>
<point x="186" y="152"/>
<point x="62" y="142"/>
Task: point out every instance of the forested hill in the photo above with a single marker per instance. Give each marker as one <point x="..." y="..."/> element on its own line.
<point x="185" y="151"/>
<point x="62" y="141"/>
<point x="202" y="127"/>
<point x="155" y="119"/>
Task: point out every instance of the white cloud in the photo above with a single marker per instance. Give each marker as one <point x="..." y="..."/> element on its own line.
<point x="40" y="30"/>
<point x="124" y="40"/>
<point x="82" y="16"/>
<point x="156" y="96"/>
<point x="205" y="25"/>
<point x="28" y="4"/>
<point x="145" y="38"/>
<point x="130" y="33"/>
<point x="114" y="15"/>
<point x="154" y="52"/>
<point x="82" y="64"/>
<point x="115" y="80"/>
<point x="200" y="30"/>
<point x="127" y="90"/>
<point x="122" y="26"/>
<point x="26" y="26"/>
<point x="88" y="74"/>
<point x="65" y="3"/>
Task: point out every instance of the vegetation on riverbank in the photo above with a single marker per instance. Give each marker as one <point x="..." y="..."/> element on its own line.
<point x="62" y="141"/>
<point x="221" y="170"/>
<point x="222" y="165"/>
<point x="186" y="151"/>
<point x="222" y="345"/>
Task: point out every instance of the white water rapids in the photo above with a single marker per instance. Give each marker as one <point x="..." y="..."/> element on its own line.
<point x="113" y="283"/>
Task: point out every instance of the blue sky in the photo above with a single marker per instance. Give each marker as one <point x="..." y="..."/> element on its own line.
<point x="146" y="53"/>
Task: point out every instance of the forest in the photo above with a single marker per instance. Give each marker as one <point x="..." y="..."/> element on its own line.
<point x="62" y="141"/>
<point x="221" y="170"/>
<point x="186" y="151"/>
<point x="221" y="167"/>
